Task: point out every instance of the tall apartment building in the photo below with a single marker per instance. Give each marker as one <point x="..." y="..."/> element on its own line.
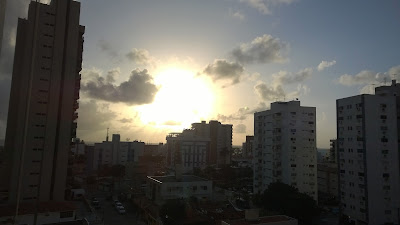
<point x="368" y="146"/>
<point x="44" y="97"/>
<point x="285" y="147"/>
<point x="188" y="150"/>
<point x="220" y="136"/>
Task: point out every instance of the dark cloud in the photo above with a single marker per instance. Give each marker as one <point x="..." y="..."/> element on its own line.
<point x="126" y="120"/>
<point x="221" y="69"/>
<point x="269" y="93"/>
<point x="264" y="49"/>
<point x="139" y="56"/>
<point x="138" y="90"/>
<point x="239" y="129"/>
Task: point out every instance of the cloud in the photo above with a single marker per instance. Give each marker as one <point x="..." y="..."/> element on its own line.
<point x="284" y="77"/>
<point x="94" y="118"/>
<point x="221" y="69"/>
<point x="236" y="14"/>
<point x="139" y="56"/>
<point x="126" y="120"/>
<point x="263" y="6"/>
<point x="269" y="93"/>
<point x="264" y="49"/>
<point x="325" y="64"/>
<point x="138" y="90"/>
<point x="242" y="113"/>
<point x="106" y="47"/>
<point x="239" y="129"/>
<point x="172" y="123"/>
<point x="369" y="79"/>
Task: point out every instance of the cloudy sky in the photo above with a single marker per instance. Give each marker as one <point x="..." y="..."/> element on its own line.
<point x="153" y="66"/>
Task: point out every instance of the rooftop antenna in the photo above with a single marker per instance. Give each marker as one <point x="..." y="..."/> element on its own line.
<point x="107" y="134"/>
<point x="385" y="80"/>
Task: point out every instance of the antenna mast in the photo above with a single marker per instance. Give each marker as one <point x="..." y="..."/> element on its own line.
<point x="107" y="134"/>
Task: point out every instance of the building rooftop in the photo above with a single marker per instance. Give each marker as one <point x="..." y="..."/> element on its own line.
<point x="261" y="220"/>
<point x="30" y="208"/>
<point x="172" y="178"/>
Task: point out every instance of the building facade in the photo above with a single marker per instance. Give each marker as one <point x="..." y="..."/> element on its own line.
<point x="247" y="147"/>
<point x="328" y="181"/>
<point x="285" y="147"/>
<point x="161" y="188"/>
<point x="220" y="136"/>
<point x="188" y="150"/>
<point x="44" y="97"/>
<point x="368" y="134"/>
<point x="116" y="152"/>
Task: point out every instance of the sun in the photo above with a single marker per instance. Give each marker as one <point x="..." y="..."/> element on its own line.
<point x="183" y="99"/>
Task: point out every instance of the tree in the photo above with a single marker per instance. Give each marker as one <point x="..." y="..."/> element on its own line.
<point x="289" y="201"/>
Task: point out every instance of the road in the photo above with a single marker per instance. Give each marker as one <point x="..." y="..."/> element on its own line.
<point x="109" y="215"/>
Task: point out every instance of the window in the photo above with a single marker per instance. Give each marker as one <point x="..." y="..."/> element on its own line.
<point x="66" y="214"/>
<point x="204" y="188"/>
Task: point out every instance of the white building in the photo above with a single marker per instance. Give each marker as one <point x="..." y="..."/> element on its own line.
<point x="285" y="147"/>
<point x="188" y="150"/>
<point x="367" y="131"/>
<point x="115" y="152"/>
<point x="162" y="188"/>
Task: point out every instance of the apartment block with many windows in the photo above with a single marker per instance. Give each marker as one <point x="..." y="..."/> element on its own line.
<point x="368" y="147"/>
<point x="284" y="147"/>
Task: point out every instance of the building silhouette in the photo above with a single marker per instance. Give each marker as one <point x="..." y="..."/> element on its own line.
<point x="368" y="147"/>
<point x="220" y="136"/>
<point x="284" y="147"/>
<point x="43" y="102"/>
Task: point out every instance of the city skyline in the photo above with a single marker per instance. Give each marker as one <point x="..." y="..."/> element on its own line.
<point x="153" y="67"/>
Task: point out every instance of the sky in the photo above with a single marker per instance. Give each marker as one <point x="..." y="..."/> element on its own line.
<point x="151" y="67"/>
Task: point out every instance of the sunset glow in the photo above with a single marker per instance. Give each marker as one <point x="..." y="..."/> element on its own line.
<point x="183" y="98"/>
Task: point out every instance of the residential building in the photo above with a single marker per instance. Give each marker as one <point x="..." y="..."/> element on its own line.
<point x="188" y="150"/>
<point x="367" y="137"/>
<point x="333" y="151"/>
<point x="247" y="147"/>
<point x="116" y="152"/>
<point x="220" y="136"/>
<point x="78" y="148"/>
<point x="328" y="181"/>
<point x="44" y="97"/>
<point x="285" y="147"/>
<point x="162" y="188"/>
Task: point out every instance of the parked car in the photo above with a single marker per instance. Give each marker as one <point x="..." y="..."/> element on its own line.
<point x="121" y="210"/>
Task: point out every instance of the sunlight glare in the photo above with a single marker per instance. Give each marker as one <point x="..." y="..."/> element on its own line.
<point x="183" y="99"/>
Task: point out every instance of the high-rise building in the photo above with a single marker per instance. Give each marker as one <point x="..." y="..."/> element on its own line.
<point x="285" y="147"/>
<point x="220" y="141"/>
<point x="368" y="147"/>
<point x="44" y="97"/>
